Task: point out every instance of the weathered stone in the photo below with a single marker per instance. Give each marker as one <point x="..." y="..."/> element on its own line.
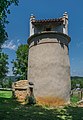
<point x="20" y="90"/>
<point x="48" y="63"/>
<point x="80" y="103"/>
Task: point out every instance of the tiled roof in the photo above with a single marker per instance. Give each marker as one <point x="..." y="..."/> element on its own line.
<point x="60" y="20"/>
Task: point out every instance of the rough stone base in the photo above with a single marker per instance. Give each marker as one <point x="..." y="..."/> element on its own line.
<point x="80" y="103"/>
<point x="20" y="90"/>
<point x="50" y="101"/>
<point x="20" y="95"/>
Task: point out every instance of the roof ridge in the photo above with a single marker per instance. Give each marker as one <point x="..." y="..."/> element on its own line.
<point x="48" y="20"/>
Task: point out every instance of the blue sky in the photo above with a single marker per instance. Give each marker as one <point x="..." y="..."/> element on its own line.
<point x="18" y="28"/>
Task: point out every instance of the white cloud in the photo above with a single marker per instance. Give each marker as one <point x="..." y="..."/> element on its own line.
<point x="10" y="45"/>
<point x="79" y="44"/>
<point x="18" y="40"/>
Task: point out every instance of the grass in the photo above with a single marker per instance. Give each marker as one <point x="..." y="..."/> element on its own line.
<point x="12" y="110"/>
<point x="74" y="99"/>
<point x="6" y="94"/>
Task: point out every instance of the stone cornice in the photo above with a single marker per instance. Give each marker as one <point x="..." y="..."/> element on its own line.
<point x="49" y="32"/>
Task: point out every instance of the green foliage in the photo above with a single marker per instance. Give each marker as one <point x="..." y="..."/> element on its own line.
<point x="4" y="10"/>
<point x="74" y="99"/>
<point x="3" y="66"/>
<point x="76" y="80"/>
<point x="31" y="100"/>
<point x="7" y="83"/>
<point x="21" y="63"/>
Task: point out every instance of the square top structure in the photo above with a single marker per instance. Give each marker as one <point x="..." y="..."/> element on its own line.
<point x="56" y="25"/>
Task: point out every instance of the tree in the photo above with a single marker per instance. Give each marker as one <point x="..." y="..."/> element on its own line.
<point x="3" y="66"/>
<point x="76" y="80"/>
<point x="4" y="10"/>
<point x="7" y="82"/>
<point x="20" y="65"/>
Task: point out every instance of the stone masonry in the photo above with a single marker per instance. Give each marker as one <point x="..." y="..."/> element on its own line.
<point x="20" y="90"/>
<point x="48" y="62"/>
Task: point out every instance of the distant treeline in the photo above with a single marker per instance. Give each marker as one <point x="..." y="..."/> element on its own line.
<point x="13" y="78"/>
<point x="76" y="81"/>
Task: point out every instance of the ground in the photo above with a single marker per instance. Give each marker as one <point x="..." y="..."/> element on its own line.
<point x="12" y="110"/>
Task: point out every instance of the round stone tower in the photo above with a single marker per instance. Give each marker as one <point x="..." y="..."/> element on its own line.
<point x="48" y="62"/>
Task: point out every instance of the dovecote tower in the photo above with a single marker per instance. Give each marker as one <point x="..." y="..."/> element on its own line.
<point x="48" y="62"/>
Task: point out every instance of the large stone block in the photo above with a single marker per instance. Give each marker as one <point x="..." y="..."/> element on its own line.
<point x="20" y="90"/>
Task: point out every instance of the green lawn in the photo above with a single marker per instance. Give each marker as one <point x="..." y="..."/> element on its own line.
<point x="12" y="110"/>
<point x="6" y="94"/>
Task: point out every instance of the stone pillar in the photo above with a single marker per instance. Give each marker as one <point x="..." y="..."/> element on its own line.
<point x="65" y="23"/>
<point x="32" y="18"/>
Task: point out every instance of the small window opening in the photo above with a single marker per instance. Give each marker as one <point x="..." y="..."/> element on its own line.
<point x="48" y="29"/>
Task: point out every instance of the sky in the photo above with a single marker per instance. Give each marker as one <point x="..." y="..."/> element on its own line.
<point x="18" y="28"/>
